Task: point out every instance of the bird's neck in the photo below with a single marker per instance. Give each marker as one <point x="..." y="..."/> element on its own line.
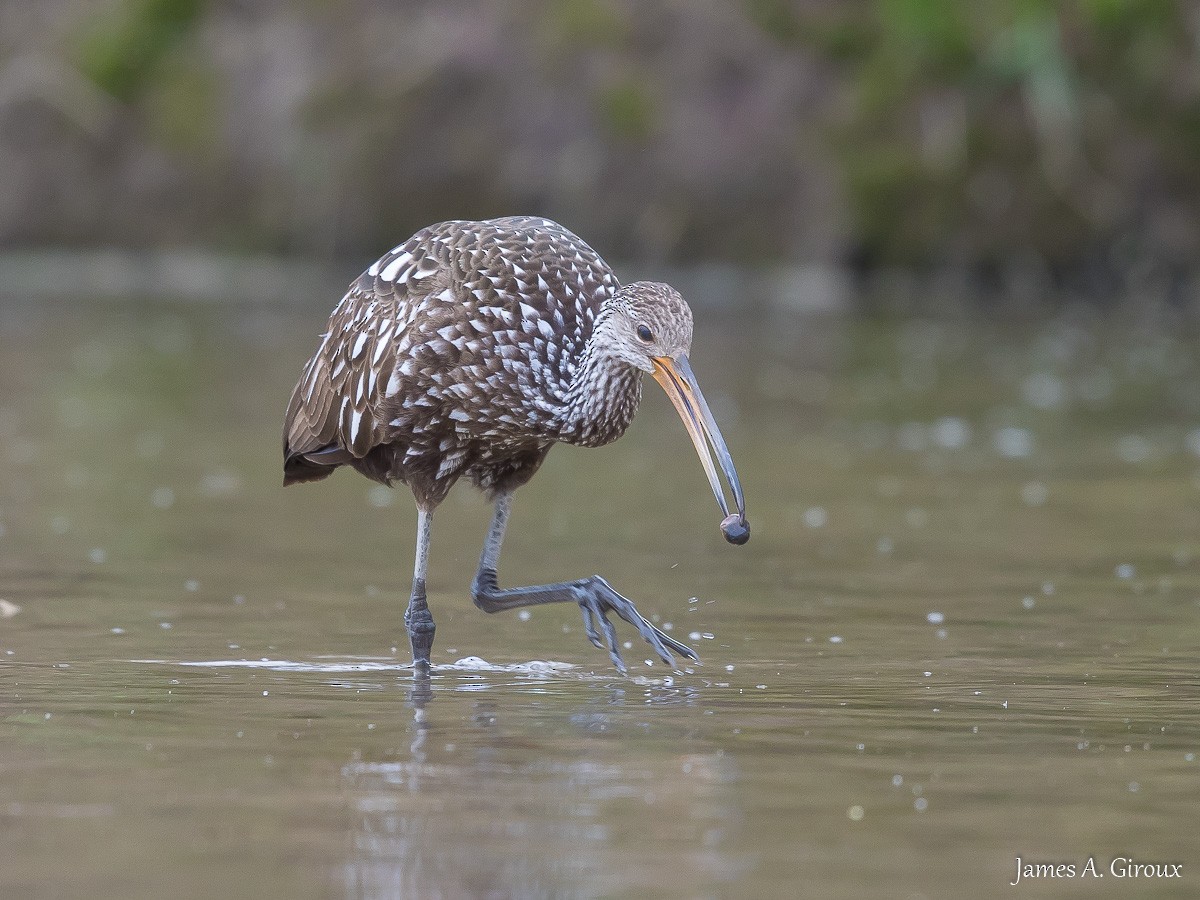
<point x="603" y="397"/>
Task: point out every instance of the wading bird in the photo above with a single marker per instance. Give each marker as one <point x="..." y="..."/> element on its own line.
<point x="471" y="349"/>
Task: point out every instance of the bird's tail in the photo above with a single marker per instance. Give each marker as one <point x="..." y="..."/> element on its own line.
<point x="301" y="467"/>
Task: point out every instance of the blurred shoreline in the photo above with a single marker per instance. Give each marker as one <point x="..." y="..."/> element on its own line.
<point x="201" y="276"/>
<point x="1024" y="148"/>
<point x="205" y="277"/>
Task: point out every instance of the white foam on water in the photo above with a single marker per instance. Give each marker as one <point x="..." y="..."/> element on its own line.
<point x="468" y="665"/>
<point x="284" y="665"/>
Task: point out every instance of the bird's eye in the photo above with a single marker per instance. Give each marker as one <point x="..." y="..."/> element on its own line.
<point x="645" y="333"/>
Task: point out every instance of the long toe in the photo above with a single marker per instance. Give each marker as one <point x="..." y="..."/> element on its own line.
<point x="682" y="649"/>
<point x="603" y="598"/>
<point x="589" y="625"/>
<point x="594" y="610"/>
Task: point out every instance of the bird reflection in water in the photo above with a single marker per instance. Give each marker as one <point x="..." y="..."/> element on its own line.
<point x="490" y="801"/>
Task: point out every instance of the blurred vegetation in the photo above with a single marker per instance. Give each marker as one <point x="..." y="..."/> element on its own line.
<point x="1043" y="135"/>
<point x="123" y="53"/>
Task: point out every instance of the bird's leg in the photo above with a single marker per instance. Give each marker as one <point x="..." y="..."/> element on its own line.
<point x="417" y="618"/>
<point x="595" y="596"/>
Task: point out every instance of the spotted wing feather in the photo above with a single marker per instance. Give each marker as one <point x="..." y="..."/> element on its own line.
<point x="453" y="350"/>
<point x="333" y="417"/>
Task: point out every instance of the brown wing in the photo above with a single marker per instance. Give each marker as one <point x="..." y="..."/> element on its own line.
<point x="333" y="417"/>
<point x="491" y="317"/>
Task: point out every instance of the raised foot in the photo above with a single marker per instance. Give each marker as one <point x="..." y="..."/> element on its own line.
<point x="597" y="598"/>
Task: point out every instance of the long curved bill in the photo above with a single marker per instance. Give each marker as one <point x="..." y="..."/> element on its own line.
<point x="676" y="377"/>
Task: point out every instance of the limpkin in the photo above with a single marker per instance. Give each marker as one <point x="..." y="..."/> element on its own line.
<point x="471" y="349"/>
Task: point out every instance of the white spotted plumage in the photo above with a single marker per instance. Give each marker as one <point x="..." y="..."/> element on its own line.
<point x="475" y="331"/>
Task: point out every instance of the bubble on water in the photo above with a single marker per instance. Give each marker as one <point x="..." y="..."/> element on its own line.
<point x="693" y="635"/>
<point x="1043" y="390"/>
<point x="116" y="630"/>
<point x="1192" y="441"/>
<point x="1034" y="493"/>
<point x="941" y="634"/>
<point x="855" y="813"/>
<point x="380" y="496"/>
<point x="860" y="746"/>
<point x="1189" y="757"/>
<point x="8" y="609"/>
<point x="951" y="433"/>
<point x="1133" y="448"/>
<point x="668" y="626"/>
<point x="524" y="615"/>
<point x="1125" y="570"/>
<point x="1028" y="602"/>
<point x="729" y="668"/>
<point x="935" y="618"/>
<point x="889" y="486"/>
<point x="1013" y="442"/>
<point x="920" y="804"/>
<point x="897" y="780"/>
<point x="1048" y="588"/>
<point x="191" y="585"/>
<point x="815" y="517"/>
<point x="884" y="546"/>
<point x="835" y="639"/>
<point x="165" y="626"/>
<point x="473" y="662"/>
<point x="98" y="555"/>
<point x="162" y="498"/>
<point x="628" y="645"/>
<point x="1134" y="787"/>
<point x="265" y="693"/>
<point x="761" y="687"/>
<point x="220" y="483"/>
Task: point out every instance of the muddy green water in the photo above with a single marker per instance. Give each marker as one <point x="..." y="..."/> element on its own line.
<point x="966" y="630"/>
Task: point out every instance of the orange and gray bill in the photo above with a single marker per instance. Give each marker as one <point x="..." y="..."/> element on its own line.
<point x="676" y="377"/>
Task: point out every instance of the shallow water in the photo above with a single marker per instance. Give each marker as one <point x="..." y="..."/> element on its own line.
<point x="966" y="629"/>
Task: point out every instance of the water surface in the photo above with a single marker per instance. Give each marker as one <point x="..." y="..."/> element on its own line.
<point x="966" y="628"/>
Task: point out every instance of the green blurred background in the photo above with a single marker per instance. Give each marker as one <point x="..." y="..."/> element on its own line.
<point x="1022" y="142"/>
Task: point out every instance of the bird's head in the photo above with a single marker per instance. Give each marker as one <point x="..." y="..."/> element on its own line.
<point x="651" y="321"/>
<point x="650" y="328"/>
